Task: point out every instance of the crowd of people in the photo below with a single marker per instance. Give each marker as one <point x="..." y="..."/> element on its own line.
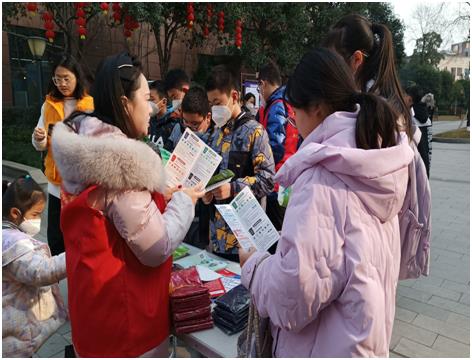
<point x="340" y="133"/>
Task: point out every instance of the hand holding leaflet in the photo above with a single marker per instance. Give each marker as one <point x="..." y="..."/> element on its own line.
<point x="248" y="221"/>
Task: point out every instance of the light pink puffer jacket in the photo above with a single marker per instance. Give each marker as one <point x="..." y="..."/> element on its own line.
<point x="330" y="288"/>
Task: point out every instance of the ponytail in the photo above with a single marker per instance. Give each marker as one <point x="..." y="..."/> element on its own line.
<point x="376" y="126"/>
<point x="323" y="77"/>
<point x="354" y="32"/>
<point x="22" y="194"/>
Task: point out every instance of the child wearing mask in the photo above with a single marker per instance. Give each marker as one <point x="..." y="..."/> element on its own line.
<point x="196" y="115"/>
<point x="244" y="145"/>
<point x="176" y="85"/>
<point x="33" y="308"/>
<point x="161" y="124"/>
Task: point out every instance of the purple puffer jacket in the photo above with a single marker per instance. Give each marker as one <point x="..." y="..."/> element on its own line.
<point x="329" y="290"/>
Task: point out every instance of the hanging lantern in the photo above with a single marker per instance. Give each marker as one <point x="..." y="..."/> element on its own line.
<point x="80" y="12"/>
<point x="104" y="6"/>
<point x="238" y="36"/>
<point x="50" y="35"/>
<point x="209" y="12"/>
<point x="32" y="8"/>
<point x="116" y="7"/>
<point x="49" y="26"/>
<point x="82" y="32"/>
<point x="47" y="16"/>
<point x="190" y="15"/>
<point x="206" y="31"/>
<point x="221" y="21"/>
<point x="81" y="22"/>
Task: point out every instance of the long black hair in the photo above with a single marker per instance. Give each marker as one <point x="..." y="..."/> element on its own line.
<point x="354" y="32"/>
<point x="67" y="61"/>
<point x="323" y="77"/>
<point x="116" y="76"/>
<point x="22" y="194"/>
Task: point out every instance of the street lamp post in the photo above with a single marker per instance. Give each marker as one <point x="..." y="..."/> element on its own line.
<point x="37" y="46"/>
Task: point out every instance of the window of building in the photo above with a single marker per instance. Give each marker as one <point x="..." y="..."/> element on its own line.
<point x="30" y="77"/>
<point x="453" y="72"/>
<point x="459" y="72"/>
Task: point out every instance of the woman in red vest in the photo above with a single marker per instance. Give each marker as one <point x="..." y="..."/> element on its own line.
<point x="118" y="238"/>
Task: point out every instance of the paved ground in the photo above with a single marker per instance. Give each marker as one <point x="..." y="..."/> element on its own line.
<point x="433" y="313"/>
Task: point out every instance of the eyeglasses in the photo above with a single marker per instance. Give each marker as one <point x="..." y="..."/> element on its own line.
<point x="58" y="80"/>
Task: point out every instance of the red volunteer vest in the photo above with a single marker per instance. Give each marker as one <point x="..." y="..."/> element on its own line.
<point x="118" y="307"/>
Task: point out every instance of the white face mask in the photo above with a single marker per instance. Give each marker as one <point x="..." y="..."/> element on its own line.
<point x="250" y="106"/>
<point x="220" y="114"/>
<point x="30" y="226"/>
<point x="176" y="104"/>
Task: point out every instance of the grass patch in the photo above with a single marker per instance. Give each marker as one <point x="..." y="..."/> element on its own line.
<point x="455" y="134"/>
<point x="447" y="118"/>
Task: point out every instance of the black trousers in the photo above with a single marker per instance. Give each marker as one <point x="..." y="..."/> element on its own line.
<point x="55" y="238"/>
<point x="276" y="214"/>
<point x="424" y="147"/>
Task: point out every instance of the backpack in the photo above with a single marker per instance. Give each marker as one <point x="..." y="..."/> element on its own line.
<point x="292" y="140"/>
<point x="415" y="222"/>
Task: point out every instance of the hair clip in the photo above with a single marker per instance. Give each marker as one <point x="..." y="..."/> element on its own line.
<point x="27" y="177"/>
<point x="124" y="65"/>
<point x="376" y="39"/>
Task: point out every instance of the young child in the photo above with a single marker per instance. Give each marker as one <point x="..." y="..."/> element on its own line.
<point x="161" y="124"/>
<point x="244" y="145"/>
<point x="33" y="308"/>
<point x="196" y="115"/>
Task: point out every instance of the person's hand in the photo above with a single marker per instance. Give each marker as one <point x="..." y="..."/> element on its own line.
<point x="39" y="134"/>
<point x="207" y="198"/>
<point x="195" y="193"/>
<point x="245" y="255"/>
<point x="169" y="191"/>
<point x="223" y="192"/>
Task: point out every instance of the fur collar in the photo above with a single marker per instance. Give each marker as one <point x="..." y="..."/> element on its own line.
<point x="102" y="155"/>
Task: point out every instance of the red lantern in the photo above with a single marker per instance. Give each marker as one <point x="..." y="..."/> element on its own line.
<point x="116" y="7"/>
<point x="134" y="25"/>
<point x="221" y="21"/>
<point x="127" y="33"/>
<point x="81" y="22"/>
<point x="82" y="32"/>
<point x="190" y="15"/>
<point x="31" y="7"/>
<point x="209" y="12"/>
<point x="238" y="36"/>
<point x="104" y="6"/>
<point x="49" y="25"/>
<point x="50" y="35"/>
<point x="117" y="17"/>
<point x="80" y="12"/>
<point x="47" y="16"/>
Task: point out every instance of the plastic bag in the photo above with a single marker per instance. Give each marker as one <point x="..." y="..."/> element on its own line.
<point x="227" y="327"/>
<point x="192" y="314"/>
<point x="186" y="277"/>
<point x="231" y="317"/>
<point x="192" y="328"/>
<point x="284" y="195"/>
<point x="236" y="300"/>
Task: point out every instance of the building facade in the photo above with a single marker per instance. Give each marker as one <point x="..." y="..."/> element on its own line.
<point x="25" y="79"/>
<point x="457" y="61"/>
